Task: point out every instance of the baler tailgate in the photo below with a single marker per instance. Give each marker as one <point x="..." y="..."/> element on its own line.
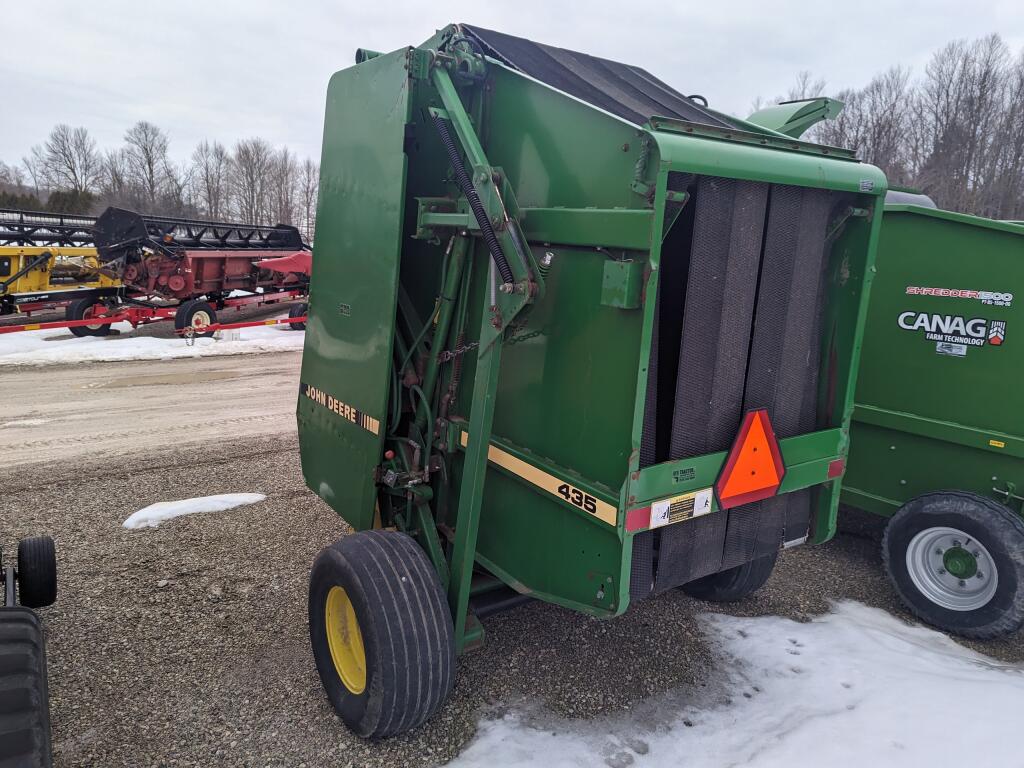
<point x="752" y="306"/>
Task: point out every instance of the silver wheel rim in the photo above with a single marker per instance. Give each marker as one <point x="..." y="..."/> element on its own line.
<point x="936" y="560"/>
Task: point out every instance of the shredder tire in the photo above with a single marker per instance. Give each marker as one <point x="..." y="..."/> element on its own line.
<point x="37" y="572"/>
<point x="395" y="667"/>
<point x="735" y="583"/>
<point x="24" y="697"/>
<point x="916" y="549"/>
<point x="192" y="312"/>
<point x="298" y="310"/>
<point x="77" y="310"/>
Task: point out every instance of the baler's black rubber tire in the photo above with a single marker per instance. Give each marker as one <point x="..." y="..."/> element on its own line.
<point x="998" y="529"/>
<point x="735" y="583"/>
<point x="37" y="572"/>
<point x="298" y="310"/>
<point x="24" y="695"/>
<point x="76" y="311"/>
<point x="405" y="626"/>
<point x="187" y="314"/>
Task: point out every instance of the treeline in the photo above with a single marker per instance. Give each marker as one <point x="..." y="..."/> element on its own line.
<point x="956" y="132"/>
<point x="252" y="182"/>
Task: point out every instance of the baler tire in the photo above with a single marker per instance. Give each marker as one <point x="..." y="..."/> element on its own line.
<point x="1000" y="533"/>
<point x="37" y="572"/>
<point x="405" y="640"/>
<point x="77" y="310"/>
<point x="298" y="310"/>
<point x="25" y="738"/>
<point x="733" y="584"/>
<point x="186" y="314"/>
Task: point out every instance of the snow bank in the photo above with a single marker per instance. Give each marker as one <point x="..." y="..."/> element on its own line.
<point x="856" y="687"/>
<point x="58" y="346"/>
<point x="155" y="514"/>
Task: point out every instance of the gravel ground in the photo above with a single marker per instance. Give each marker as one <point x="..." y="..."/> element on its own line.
<point x="187" y="644"/>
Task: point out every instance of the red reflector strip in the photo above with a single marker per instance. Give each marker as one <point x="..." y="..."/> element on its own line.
<point x="638" y="519"/>
<point x="836" y="467"/>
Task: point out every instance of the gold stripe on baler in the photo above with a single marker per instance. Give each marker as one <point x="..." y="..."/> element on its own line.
<point x="602" y="510"/>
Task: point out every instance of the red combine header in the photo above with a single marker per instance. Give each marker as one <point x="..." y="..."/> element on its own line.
<point x="185" y="269"/>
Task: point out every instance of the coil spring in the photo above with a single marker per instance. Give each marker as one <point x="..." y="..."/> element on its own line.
<point x="466" y="185"/>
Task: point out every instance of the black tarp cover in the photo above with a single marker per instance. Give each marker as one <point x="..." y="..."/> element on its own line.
<point x="621" y="89"/>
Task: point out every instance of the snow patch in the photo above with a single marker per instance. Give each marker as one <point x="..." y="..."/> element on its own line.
<point x="58" y="346"/>
<point x="154" y="514"/>
<point x="853" y="688"/>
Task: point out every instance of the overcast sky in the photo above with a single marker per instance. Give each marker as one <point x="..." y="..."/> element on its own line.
<point x="226" y="69"/>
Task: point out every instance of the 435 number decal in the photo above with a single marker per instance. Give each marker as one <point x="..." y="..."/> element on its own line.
<point x="578" y="498"/>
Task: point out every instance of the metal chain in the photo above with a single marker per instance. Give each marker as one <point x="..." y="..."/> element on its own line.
<point x="524" y="337"/>
<point x="449" y="355"/>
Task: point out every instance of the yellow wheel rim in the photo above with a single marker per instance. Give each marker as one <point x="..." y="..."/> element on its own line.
<point x="345" y="640"/>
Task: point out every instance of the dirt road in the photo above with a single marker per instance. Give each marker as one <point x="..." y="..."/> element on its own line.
<point x="68" y="414"/>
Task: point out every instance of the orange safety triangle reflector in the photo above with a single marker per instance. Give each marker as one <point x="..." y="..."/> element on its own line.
<point x="754" y="468"/>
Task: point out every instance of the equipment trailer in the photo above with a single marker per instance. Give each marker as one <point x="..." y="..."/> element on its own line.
<point x="573" y="336"/>
<point x="938" y="429"/>
<point x="153" y="268"/>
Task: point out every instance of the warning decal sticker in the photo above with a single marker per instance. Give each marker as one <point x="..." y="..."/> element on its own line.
<point x="678" y="508"/>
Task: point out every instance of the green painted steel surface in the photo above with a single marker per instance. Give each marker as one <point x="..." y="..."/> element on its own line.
<point x="591" y="196"/>
<point x="938" y="410"/>
<point x="352" y="306"/>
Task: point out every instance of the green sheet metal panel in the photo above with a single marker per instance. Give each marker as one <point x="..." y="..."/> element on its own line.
<point x="938" y="403"/>
<point x="346" y="362"/>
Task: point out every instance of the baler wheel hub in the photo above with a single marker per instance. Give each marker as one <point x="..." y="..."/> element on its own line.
<point x="345" y="640"/>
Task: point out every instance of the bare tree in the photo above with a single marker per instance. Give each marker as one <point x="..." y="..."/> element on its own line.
<point x="282" y="197"/>
<point x="33" y="165"/>
<point x="68" y="160"/>
<point x="148" y="165"/>
<point x="251" y="165"/>
<point x="211" y="166"/>
<point x="806" y="87"/>
<point x="12" y="176"/>
<point x="309" y="188"/>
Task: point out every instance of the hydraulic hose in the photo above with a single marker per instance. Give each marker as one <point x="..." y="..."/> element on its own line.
<point x="463" y="180"/>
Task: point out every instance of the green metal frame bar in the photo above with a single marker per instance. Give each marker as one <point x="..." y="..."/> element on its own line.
<point x="685" y="127"/>
<point x="501" y="207"/>
<point x="947" y="431"/>
<point x="481" y="419"/>
<point x="607" y="227"/>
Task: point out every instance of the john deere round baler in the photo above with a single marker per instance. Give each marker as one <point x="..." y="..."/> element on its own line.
<point x="573" y="336"/>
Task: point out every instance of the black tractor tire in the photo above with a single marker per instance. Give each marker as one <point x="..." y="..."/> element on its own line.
<point x="24" y="696"/>
<point x="37" y="572"/>
<point x="195" y="311"/>
<point x="76" y="310"/>
<point x="403" y="628"/>
<point x="1000" y="533"/>
<point x="735" y="583"/>
<point x="298" y="310"/>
